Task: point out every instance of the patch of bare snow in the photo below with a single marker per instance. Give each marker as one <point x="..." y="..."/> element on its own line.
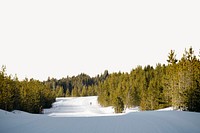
<point x="166" y="109"/>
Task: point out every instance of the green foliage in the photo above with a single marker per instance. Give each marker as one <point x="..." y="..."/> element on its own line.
<point x="80" y="85"/>
<point x="59" y="91"/>
<point x="176" y="85"/>
<point x="75" y="92"/>
<point x="67" y="94"/>
<point x="181" y="82"/>
<point x="26" y="95"/>
<point x="118" y="105"/>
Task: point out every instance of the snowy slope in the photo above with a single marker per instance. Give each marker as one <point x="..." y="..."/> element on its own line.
<point x="78" y="106"/>
<point x="139" y="122"/>
<point x="81" y="107"/>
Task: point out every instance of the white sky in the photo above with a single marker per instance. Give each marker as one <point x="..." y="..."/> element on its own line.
<point x="56" y="38"/>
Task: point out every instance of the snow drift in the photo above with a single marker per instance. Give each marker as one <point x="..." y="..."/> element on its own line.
<point x="141" y="122"/>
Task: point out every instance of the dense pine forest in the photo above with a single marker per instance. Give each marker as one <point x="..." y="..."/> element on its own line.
<point x="176" y="84"/>
<point x="27" y="95"/>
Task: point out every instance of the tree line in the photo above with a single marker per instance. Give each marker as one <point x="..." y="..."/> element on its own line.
<point x="75" y="86"/>
<point x="33" y="95"/>
<point x="27" y="95"/>
<point x="176" y="84"/>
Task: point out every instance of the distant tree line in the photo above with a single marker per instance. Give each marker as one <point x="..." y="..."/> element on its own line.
<point x="80" y="85"/>
<point x="176" y="84"/>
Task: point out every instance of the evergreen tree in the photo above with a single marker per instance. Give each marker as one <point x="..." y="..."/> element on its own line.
<point x="118" y="105"/>
<point x="59" y="91"/>
<point x="84" y="91"/>
<point x="75" y="92"/>
<point x="170" y="83"/>
<point x="67" y="94"/>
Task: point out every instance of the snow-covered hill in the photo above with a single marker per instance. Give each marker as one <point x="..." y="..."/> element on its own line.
<point x="64" y="111"/>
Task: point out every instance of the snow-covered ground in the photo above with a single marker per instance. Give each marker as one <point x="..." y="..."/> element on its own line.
<point x="70" y="115"/>
<point x="80" y="107"/>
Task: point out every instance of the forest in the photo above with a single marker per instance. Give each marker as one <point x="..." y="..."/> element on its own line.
<point x="27" y="95"/>
<point x="175" y="84"/>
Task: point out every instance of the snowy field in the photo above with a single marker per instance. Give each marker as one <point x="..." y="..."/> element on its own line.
<point x="84" y="115"/>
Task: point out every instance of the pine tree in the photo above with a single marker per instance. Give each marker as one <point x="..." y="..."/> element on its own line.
<point x="60" y="92"/>
<point x="118" y="105"/>
<point x="84" y="91"/>
<point x="192" y="91"/>
<point x="170" y="82"/>
<point x="75" y="92"/>
<point x="67" y="94"/>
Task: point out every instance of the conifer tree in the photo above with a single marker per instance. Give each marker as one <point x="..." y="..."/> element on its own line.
<point x="118" y="105"/>
<point x="67" y="94"/>
<point x="170" y="82"/>
<point x="60" y="91"/>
